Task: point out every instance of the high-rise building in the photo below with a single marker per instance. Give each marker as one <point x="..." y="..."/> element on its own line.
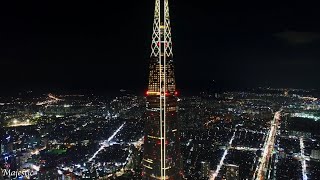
<point x="49" y="173"/>
<point x="286" y="92"/>
<point x="161" y="158"/>
<point x="136" y="158"/>
<point x="232" y="172"/>
<point x="205" y="169"/>
<point x="315" y="154"/>
<point x="1" y="148"/>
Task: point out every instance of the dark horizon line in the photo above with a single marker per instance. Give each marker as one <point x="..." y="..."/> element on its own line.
<point x="137" y="91"/>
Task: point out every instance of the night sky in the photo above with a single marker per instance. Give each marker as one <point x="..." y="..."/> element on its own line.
<point x="105" y="46"/>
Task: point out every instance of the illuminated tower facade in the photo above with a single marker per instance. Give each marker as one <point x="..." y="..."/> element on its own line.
<point x="162" y="158"/>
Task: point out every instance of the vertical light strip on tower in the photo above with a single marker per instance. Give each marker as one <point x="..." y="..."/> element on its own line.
<point x="163" y="38"/>
<point x="164" y="87"/>
<point x="160" y="93"/>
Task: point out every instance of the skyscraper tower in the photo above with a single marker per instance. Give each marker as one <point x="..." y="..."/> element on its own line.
<point x="162" y="158"/>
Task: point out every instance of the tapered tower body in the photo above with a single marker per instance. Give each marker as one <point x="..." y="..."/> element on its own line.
<point x="162" y="158"/>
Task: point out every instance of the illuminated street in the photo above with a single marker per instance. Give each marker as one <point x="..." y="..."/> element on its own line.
<point x="107" y="143"/>
<point x="225" y="153"/>
<point x="268" y="147"/>
<point x="303" y="160"/>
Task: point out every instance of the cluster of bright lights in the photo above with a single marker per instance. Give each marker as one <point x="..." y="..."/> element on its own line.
<point x="52" y="99"/>
<point x="305" y="115"/>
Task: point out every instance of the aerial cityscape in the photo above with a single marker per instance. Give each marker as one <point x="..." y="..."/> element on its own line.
<point x="66" y="119"/>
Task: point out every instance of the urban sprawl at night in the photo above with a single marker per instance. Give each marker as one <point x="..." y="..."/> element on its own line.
<point x="198" y="92"/>
<point x="224" y="135"/>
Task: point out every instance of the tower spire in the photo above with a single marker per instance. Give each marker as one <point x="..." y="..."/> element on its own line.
<point x="161" y="29"/>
